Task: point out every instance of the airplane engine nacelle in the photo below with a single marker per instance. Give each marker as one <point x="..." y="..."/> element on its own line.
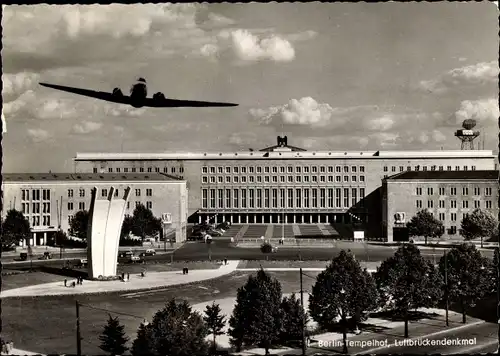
<point x="158" y="96"/>
<point x="117" y="92"/>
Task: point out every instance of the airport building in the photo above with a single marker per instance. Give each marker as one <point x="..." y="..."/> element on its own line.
<point x="50" y="200"/>
<point x="284" y="184"/>
<point x="449" y="195"/>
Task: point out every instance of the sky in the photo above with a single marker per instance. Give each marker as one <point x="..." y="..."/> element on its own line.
<point x="330" y="76"/>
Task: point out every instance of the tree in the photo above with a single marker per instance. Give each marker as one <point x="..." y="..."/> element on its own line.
<point x="342" y="290"/>
<point x="144" y="223"/>
<point x="15" y="227"/>
<point x="215" y="321"/>
<point x="478" y="224"/>
<point x="257" y="317"/>
<point x="406" y="281"/>
<point x="467" y="280"/>
<point x="266" y="248"/>
<point x="176" y="330"/>
<point x="113" y="338"/>
<point x="127" y="224"/>
<point x="79" y="225"/>
<point x="294" y="318"/>
<point x="426" y="225"/>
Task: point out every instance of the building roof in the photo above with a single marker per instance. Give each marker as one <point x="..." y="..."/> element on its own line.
<point x="445" y="175"/>
<point x="105" y="177"/>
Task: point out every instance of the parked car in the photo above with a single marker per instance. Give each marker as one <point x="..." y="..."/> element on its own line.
<point x="126" y="254"/>
<point x="23" y="256"/>
<point x="82" y="263"/>
<point x="224" y="226"/>
<point x="215" y="232"/>
<point x="149" y="252"/>
<point x="46" y="256"/>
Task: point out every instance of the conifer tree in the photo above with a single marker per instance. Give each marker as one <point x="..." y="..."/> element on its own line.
<point x="113" y="338"/>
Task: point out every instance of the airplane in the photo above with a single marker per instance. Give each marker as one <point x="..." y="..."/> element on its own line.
<point x="138" y="97"/>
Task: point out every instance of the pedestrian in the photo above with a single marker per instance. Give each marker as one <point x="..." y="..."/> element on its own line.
<point x="225" y="261"/>
<point x="65" y="282"/>
<point x="73" y="284"/>
<point x="128" y="276"/>
<point x="123" y="276"/>
<point x="81" y="281"/>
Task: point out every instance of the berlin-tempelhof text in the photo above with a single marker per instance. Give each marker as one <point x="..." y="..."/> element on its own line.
<point x="397" y="343"/>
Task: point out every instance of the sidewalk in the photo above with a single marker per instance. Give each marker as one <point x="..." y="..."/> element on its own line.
<point x="21" y="352"/>
<point x="136" y="282"/>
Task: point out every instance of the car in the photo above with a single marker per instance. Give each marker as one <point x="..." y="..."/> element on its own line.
<point x="126" y="254"/>
<point x="134" y="258"/>
<point x="46" y="256"/>
<point x="215" y="232"/>
<point x="149" y="252"/>
<point x="82" y="263"/>
<point x="23" y="256"/>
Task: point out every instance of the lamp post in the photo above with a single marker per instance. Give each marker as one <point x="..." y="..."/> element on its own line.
<point x="446" y="292"/>
<point x="345" y="351"/>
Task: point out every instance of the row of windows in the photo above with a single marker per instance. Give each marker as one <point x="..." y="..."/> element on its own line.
<point x="35" y="194"/>
<point x="453" y="191"/>
<point x="104" y="192"/>
<point x="424" y="168"/>
<point x="149" y="205"/>
<point x="142" y="170"/>
<point x="453" y="204"/>
<point x="45" y="221"/>
<point x="281" y="169"/>
<point x="282" y="198"/>
<point x="453" y="216"/>
<point x="35" y="208"/>
<point x="282" y="179"/>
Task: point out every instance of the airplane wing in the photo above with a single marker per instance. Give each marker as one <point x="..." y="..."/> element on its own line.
<point x="175" y="103"/>
<point x="101" y="95"/>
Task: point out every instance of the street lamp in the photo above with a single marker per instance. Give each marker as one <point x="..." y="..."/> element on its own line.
<point x="344" y="322"/>
<point x="446" y="290"/>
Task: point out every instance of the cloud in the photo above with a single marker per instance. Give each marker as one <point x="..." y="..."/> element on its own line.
<point x="484" y="111"/>
<point x="86" y="127"/>
<point x="38" y="135"/>
<point x="473" y="75"/>
<point x="16" y="84"/>
<point x="302" y="36"/>
<point x="250" y="47"/>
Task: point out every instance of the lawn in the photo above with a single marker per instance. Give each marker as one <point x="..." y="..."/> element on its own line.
<point x="25" y="279"/>
<point x="47" y="324"/>
<point x="283" y="264"/>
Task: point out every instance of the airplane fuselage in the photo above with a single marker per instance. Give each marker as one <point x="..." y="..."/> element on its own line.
<point x="138" y="94"/>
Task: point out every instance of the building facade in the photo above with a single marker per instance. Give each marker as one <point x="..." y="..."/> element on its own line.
<point x="286" y="184"/>
<point x="448" y="195"/>
<point x="50" y="200"/>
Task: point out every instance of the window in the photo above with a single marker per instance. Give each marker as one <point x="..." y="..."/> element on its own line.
<point x="419" y="204"/>
<point x="290" y="169"/>
<point x="440" y="168"/>
<point x="104" y="193"/>
<point x="441" y="204"/>
<point x="282" y="179"/>
<point x="314" y="169"/>
<point x="322" y="169"/>
<point x="266" y="170"/>
<point x="430" y="204"/>
<point x="133" y="169"/>
<point x="219" y="170"/>
<point x="204" y="179"/>
<point x="306" y="198"/>
<point x="453" y="216"/>
<point x="220" y="179"/>
<point x="362" y="196"/>
<point x="149" y="192"/>
<point x="408" y="168"/>
<point x="181" y="169"/>
<point x="477" y="204"/>
<point x="290" y="179"/>
<point x="362" y="169"/>
<point x="125" y="170"/>
<point x="354" y="198"/>
<point x="228" y="198"/>
<point x="36" y="194"/>
<point x="488" y="204"/>
<point x="137" y="192"/>
<point x="212" y="198"/>
<point x="330" y="169"/>
<point x="453" y="191"/>
<point x="466" y="168"/>
<point x="70" y="194"/>
<point x="236" y="179"/>
<point x="453" y="204"/>
<point x="473" y="168"/>
<point x="338" y="179"/>
<point x="81" y="205"/>
<point x="35" y="220"/>
<point x="142" y="170"/>
<point x="282" y="169"/>
<point x="477" y="191"/>
<point x="338" y="198"/>
<point x="354" y="179"/>
<point x="354" y="169"/>
<point x="243" y="170"/>
<point x="259" y="198"/>
<point x="220" y="198"/>
<point x="25" y="194"/>
<point x="298" y="179"/>
<point x="330" y="179"/>
<point x="25" y="208"/>
<point x="361" y="178"/>
<point x="386" y="169"/>
<point x="419" y="191"/>
<point x="243" y="179"/>
<point x="236" y="170"/>
<point x="282" y="197"/>
<point x="298" y="198"/>
<point x="330" y="197"/>
<point x="266" y="198"/>
<point x="441" y="216"/>
<point x="70" y="218"/>
<point x="393" y="169"/>
<point x="338" y="169"/>
<point x="346" y="197"/>
<point x="465" y="191"/>
<point x="457" y="168"/>
<point x="235" y="198"/>
<point x="244" y="198"/>
<point x="306" y="169"/>
<point x="267" y="179"/>
<point x="149" y="205"/>
<point x="441" y="191"/>
<point x="46" y="220"/>
<point x="346" y="179"/>
<point x="275" y="169"/>
<point x="212" y="179"/>
<point x="487" y="191"/>
<point x="314" y="202"/>
<point x="94" y="170"/>
<point x="430" y="191"/>
<point x="306" y="179"/>
<point x="150" y="169"/>
<point x="228" y="179"/>
<point x="259" y="170"/>
<point x="46" y="194"/>
<point x="290" y="198"/>
<point x="424" y="168"/>
<point x="157" y="169"/>
<point x="204" y="198"/>
<point x="70" y="205"/>
<point x="465" y="204"/>
<point x="204" y="169"/>
<point x="448" y="168"/>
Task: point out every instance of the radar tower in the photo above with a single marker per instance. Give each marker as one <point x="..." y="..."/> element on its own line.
<point x="467" y="135"/>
